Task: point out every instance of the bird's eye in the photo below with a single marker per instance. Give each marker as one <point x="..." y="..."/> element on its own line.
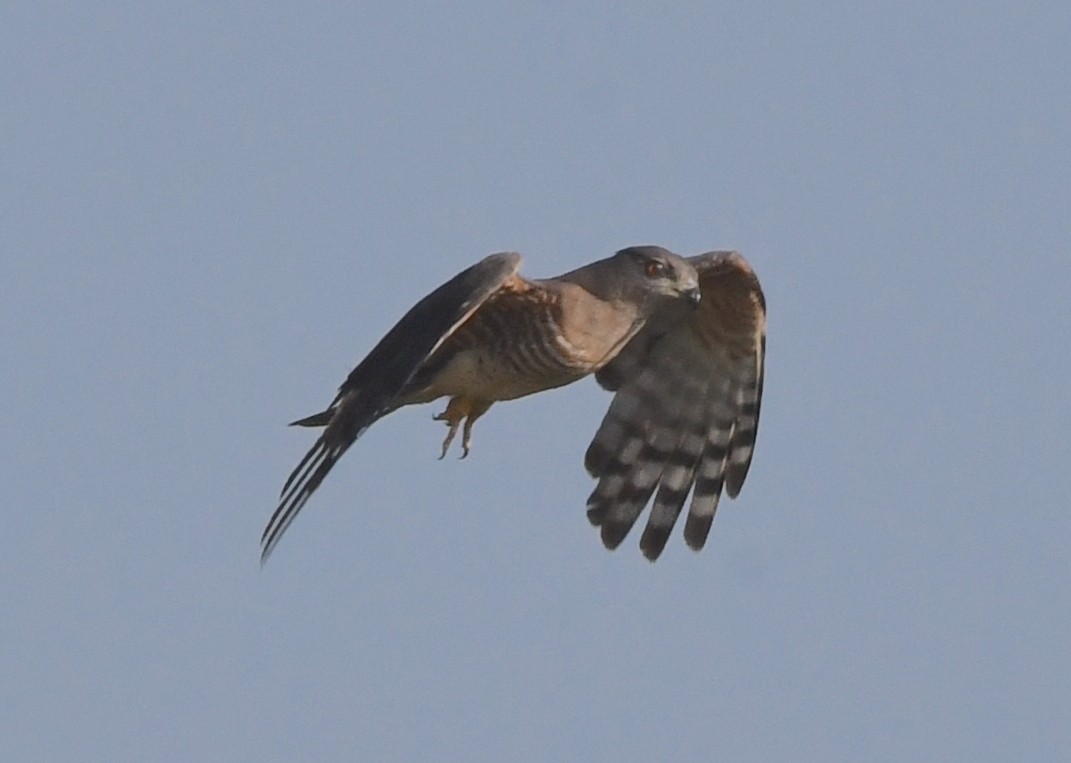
<point x="654" y="268"/>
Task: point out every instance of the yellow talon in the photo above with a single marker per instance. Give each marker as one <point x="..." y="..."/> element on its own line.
<point x="457" y="410"/>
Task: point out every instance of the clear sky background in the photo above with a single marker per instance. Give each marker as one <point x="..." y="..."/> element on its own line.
<point x="211" y="211"/>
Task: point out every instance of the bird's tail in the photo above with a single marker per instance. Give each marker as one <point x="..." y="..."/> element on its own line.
<point x="346" y="420"/>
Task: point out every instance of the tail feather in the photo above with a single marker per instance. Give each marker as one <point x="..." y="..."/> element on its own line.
<point x="297" y="491"/>
<point x="347" y="420"/>
<point x="321" y="419"/>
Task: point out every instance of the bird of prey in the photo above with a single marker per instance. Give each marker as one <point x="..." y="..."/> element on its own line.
<point x="680" y="341"/>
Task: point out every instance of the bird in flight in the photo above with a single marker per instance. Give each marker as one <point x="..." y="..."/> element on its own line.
<point x="679" y="341"/>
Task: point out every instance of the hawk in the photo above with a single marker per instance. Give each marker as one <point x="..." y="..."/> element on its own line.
<point x="679" y="341"/>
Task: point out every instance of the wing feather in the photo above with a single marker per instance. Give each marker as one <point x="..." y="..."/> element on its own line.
<point x="685" y="414"/>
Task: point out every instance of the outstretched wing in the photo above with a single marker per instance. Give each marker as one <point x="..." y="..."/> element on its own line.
<point x="686" y="410"/>
<point x="371" y="389"/>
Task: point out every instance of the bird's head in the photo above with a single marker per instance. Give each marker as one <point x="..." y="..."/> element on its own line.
<point x="655" y="275"/>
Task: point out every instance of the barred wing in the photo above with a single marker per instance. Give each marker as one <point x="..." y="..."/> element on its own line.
<point x="685" y="413"/>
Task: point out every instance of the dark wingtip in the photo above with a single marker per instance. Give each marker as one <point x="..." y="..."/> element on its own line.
<point x="734" y="478"/>
<point x="696" y="530"/>
<point x="653" y="541"/>
<point x="613" y="533"/>
<point x="596" y="458"/>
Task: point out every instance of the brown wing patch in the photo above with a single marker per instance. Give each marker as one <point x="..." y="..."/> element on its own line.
<point x="512" y="346"/>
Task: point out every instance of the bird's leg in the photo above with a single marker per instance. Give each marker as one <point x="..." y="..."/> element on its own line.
<point x="452" y="416"/>
<point x="457" y="410"/>
<point x="476" y="410"/>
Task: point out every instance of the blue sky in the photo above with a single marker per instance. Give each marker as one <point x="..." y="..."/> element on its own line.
<point x="211" y="211"/>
